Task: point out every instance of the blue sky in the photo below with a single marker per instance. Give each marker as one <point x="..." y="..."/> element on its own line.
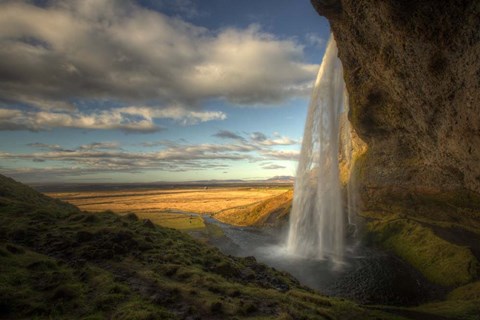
<point x="179" y="90"/>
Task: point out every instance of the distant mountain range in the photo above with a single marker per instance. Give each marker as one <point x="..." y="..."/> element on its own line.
<point x="67" y="187"/>
<point x="282" y="179"/>
<point x="276" y="179"/>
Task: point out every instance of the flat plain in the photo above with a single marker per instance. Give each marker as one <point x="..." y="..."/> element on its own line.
<point x="163" y="206"/>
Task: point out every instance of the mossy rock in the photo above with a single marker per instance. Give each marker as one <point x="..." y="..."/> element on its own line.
<point x="440" y="261"/>
<point x="470" y="291"/>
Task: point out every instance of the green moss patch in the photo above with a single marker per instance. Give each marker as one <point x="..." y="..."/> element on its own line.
<point x="470" y="291"/>
<point x="460" y="208"/>
<point x="439" y="261"/>
<point x="458" y="309"/>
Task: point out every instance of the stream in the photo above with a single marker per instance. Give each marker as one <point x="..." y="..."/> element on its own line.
<point x="368" y="275"/>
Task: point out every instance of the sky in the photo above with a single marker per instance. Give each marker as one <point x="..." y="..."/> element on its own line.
<point x="155" y="90"/>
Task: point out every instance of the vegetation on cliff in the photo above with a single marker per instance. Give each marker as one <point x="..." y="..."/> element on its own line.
<point x="440" y="261"/>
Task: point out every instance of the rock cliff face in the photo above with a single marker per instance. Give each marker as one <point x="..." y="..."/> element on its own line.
<point x="412" y="69"/>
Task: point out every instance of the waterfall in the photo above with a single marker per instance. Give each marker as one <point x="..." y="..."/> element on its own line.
<point x="317" y="221"/>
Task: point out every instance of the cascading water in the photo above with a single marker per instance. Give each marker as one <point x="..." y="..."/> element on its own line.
<point x="317" y="221"/>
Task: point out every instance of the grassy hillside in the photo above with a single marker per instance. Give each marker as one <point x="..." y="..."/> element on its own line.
<point x="57" y="262"/>
<point x="270" y="211"/>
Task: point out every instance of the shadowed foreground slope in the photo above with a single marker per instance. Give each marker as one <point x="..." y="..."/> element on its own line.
<point x="58" y="262"/>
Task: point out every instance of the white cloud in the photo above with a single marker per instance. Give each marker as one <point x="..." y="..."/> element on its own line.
<point x="170" y="156"/>
<point x="6" y="114"/>
<point x="101" y="157"/>
<point x="281" y="154"/>
<point x="179" y="114"/>
<point x="226" y="134"/>
<point x="273" y="167"/>
<point x="281" y="141"/>
<point x="258" y="139"/>
<point x="100" y="146"/>
<point x="258" y="136"/>
<point x="102" y="49"/>
<point x="44" y="146"/>
<point x="314" y="40"/>
<point x="129" y="119"/>
<point x="85" y="147"/>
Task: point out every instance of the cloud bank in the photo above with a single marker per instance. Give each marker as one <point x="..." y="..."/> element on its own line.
<point x="128" y="119"/>
<point x="166" y="155"/>
<point x="65" y="51"/>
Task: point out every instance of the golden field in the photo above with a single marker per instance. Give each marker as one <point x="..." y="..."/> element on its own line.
<point x="160" y="205"/>
<point x="270" y="211"/>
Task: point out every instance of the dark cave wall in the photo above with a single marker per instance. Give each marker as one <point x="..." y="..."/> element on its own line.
<point x="412" y="69"/>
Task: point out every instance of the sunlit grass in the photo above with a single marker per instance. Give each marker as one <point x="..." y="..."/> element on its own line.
<point x="202" y="201"/>
<point x="274" y="209"/>
<point x="171" y="208"/>
<point x="174" y="220"/>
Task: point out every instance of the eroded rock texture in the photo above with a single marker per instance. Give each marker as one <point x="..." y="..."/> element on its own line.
<point x="412" y="69"/>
